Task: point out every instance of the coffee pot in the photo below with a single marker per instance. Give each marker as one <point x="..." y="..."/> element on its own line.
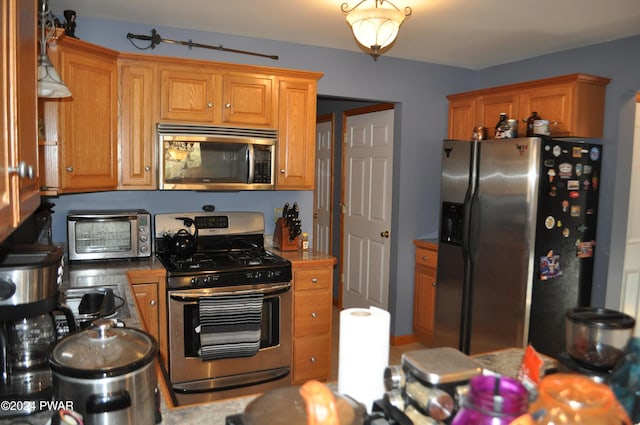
<point x="29" y="280"/>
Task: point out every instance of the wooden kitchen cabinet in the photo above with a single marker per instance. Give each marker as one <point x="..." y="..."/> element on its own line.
<point x="248" y="99"/>
<point x="189" y="94"/>
<point x="573" y="104"/>
<point x="295" y="168"/>
<point x="206" y="95"/>
<point x="149" y="289"/>
<point x="424" y="297"/>
<point x="312" y="321"/>
<point x="19" y="185"/>
<point x="84" y="128"/>
<point x="137" y="120"/>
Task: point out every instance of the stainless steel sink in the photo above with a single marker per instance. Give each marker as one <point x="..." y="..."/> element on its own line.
<point x="93" y="302"/>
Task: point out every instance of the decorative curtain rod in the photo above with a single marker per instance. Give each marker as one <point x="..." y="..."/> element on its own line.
<point x="155" y="39"/>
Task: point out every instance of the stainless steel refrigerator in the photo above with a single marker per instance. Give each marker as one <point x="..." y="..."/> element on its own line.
<point x="516" y="241"/>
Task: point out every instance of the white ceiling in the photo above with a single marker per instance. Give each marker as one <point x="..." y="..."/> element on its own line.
<point x="472" y="34"/>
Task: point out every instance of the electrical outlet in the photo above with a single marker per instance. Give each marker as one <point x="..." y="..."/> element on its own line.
<point x="277" y="213"/>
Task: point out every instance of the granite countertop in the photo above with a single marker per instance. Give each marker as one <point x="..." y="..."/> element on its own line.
<point x="93" y="274"/>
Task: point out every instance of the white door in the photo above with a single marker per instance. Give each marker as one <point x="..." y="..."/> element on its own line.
<point x="366" y="195"/>
<point x="323" y="191"/>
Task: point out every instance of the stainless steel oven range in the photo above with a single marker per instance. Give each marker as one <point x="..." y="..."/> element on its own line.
<point x="229" y="305"/>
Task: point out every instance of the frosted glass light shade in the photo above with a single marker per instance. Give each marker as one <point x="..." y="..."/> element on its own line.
<point x="375" y="28"/>
<point x="49" y="82"/>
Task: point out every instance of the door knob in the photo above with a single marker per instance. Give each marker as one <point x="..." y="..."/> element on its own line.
<point x="384" y="234"/>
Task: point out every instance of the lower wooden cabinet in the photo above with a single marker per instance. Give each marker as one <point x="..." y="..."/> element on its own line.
<point x="312" y="310"/>
<point x="148" y="287"/>
<point x="424" y="298"/>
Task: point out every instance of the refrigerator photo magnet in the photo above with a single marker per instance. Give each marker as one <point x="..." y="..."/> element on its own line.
<point x="584" y="249"/>
<point x="550" y="266"/>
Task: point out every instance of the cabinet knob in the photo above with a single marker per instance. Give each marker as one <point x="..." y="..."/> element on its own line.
<point x="152" y="302"/>
<point x="282" y="171"/>
<point x="314" y="314"/>
<point x="312" y="359"/>
<point x="424" y="258"/>
<point x="434" y="283"/>
<point x="22" y="170"/>
<point x="314" y="280"/>
<point x="147" y="168"/>
<point x="227" y="105"/>
<point x="69" y="169"/>
<point x="210" y="105"/>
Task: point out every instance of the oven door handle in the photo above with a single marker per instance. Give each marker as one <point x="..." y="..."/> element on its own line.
<point x="195" y="294"/>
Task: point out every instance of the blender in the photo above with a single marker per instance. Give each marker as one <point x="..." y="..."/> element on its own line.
<point x="595" y="341"/>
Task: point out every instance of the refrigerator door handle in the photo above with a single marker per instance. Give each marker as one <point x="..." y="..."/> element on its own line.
<point x="467" y="243"/>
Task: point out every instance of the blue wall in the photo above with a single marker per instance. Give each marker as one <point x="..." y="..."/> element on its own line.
<point x="418" y="89"/>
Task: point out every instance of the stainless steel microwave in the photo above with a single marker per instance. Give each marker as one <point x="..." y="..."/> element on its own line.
<point x="108" y="234"/>
<point x="193" y="157"/>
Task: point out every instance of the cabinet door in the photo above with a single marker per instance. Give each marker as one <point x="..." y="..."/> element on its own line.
<point x="88" y="145"/>
<point x="491" y="106"/>
<point x="462" y="118"/>
<point x="147" y="299"/>
<point x="552" y="103"/>
<point x="424" y="294"/>
<point x="19" y="189"/>
<point x="137" y="121"/>
<point x="188" y="94"/>
<point x="248" y="99"/>
<point x="296" y="135"/>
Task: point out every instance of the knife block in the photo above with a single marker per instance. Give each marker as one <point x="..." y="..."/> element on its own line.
<point x="281" y="237"/>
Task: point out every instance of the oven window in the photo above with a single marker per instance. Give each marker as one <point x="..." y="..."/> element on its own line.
<point x="103" y="236"/>
<point x="196" y="162"/>
<point x="270" y="329"/>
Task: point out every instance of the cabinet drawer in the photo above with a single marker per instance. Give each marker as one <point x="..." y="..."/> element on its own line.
<point x="426" y="257"/>
<point x="312" y="279"/>
<point x="312" y="312"/>
<point x="311" y="358"/>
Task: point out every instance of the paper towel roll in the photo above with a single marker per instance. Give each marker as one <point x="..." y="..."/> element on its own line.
<point x="363" y="353"/>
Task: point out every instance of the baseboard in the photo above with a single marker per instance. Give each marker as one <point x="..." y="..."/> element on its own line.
<point x="403" y="339"/>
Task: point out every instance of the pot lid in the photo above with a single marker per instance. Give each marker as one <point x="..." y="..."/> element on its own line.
<point x="102" y="350"/>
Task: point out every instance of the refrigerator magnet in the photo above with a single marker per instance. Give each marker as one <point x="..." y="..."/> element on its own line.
<point x="557" y="150"/>
<point x="582" y="228"/>
<point x="565" y="205"/>
<point x="549" y="222"/>
<point x="594" y="154"/>
<point x="576" y="152"/>
<point x="573" y="185"/>
<point x="585" y="249"/>
<point x="575" y="211"/>
<point x="551" y="173"/>
<point x="550" y="266"/>
<point x="565" y="170"/>
<point x="586" y="169"/>
<point x="578" y="170"/>
<point x="586" y="185"/>
<point x="553" y="191"/>
<point x="566" y="232"/>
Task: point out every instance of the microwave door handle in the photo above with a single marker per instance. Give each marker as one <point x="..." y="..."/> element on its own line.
<point x="104" y="218"/>
<point x="251" y="158"/>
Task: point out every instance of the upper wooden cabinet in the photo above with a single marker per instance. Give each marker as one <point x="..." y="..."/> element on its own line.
<point x="19" y="185"/>
<point x="205" y="95"/>
<point x="296" y="134"/>
<point x="137" y="118"/>
<point x="573" y="104"/>
<point x="248" y="99"/>
<point x="189" y="94"/>
<point x="83" y="127"/>
<point x="103" y="137"/>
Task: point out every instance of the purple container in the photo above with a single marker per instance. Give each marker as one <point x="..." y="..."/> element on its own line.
<point x="492" y="400"/>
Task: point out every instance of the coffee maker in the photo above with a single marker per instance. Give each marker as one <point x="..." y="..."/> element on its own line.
<point x="30" y="276"/>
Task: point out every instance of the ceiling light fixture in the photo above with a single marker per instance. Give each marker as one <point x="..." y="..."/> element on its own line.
<point x="49" y="82"/>
<point x="375" y="28"/>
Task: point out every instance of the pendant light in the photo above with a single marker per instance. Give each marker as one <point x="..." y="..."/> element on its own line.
<point x="50" y="84"/>
<point x="375" y="28"/>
